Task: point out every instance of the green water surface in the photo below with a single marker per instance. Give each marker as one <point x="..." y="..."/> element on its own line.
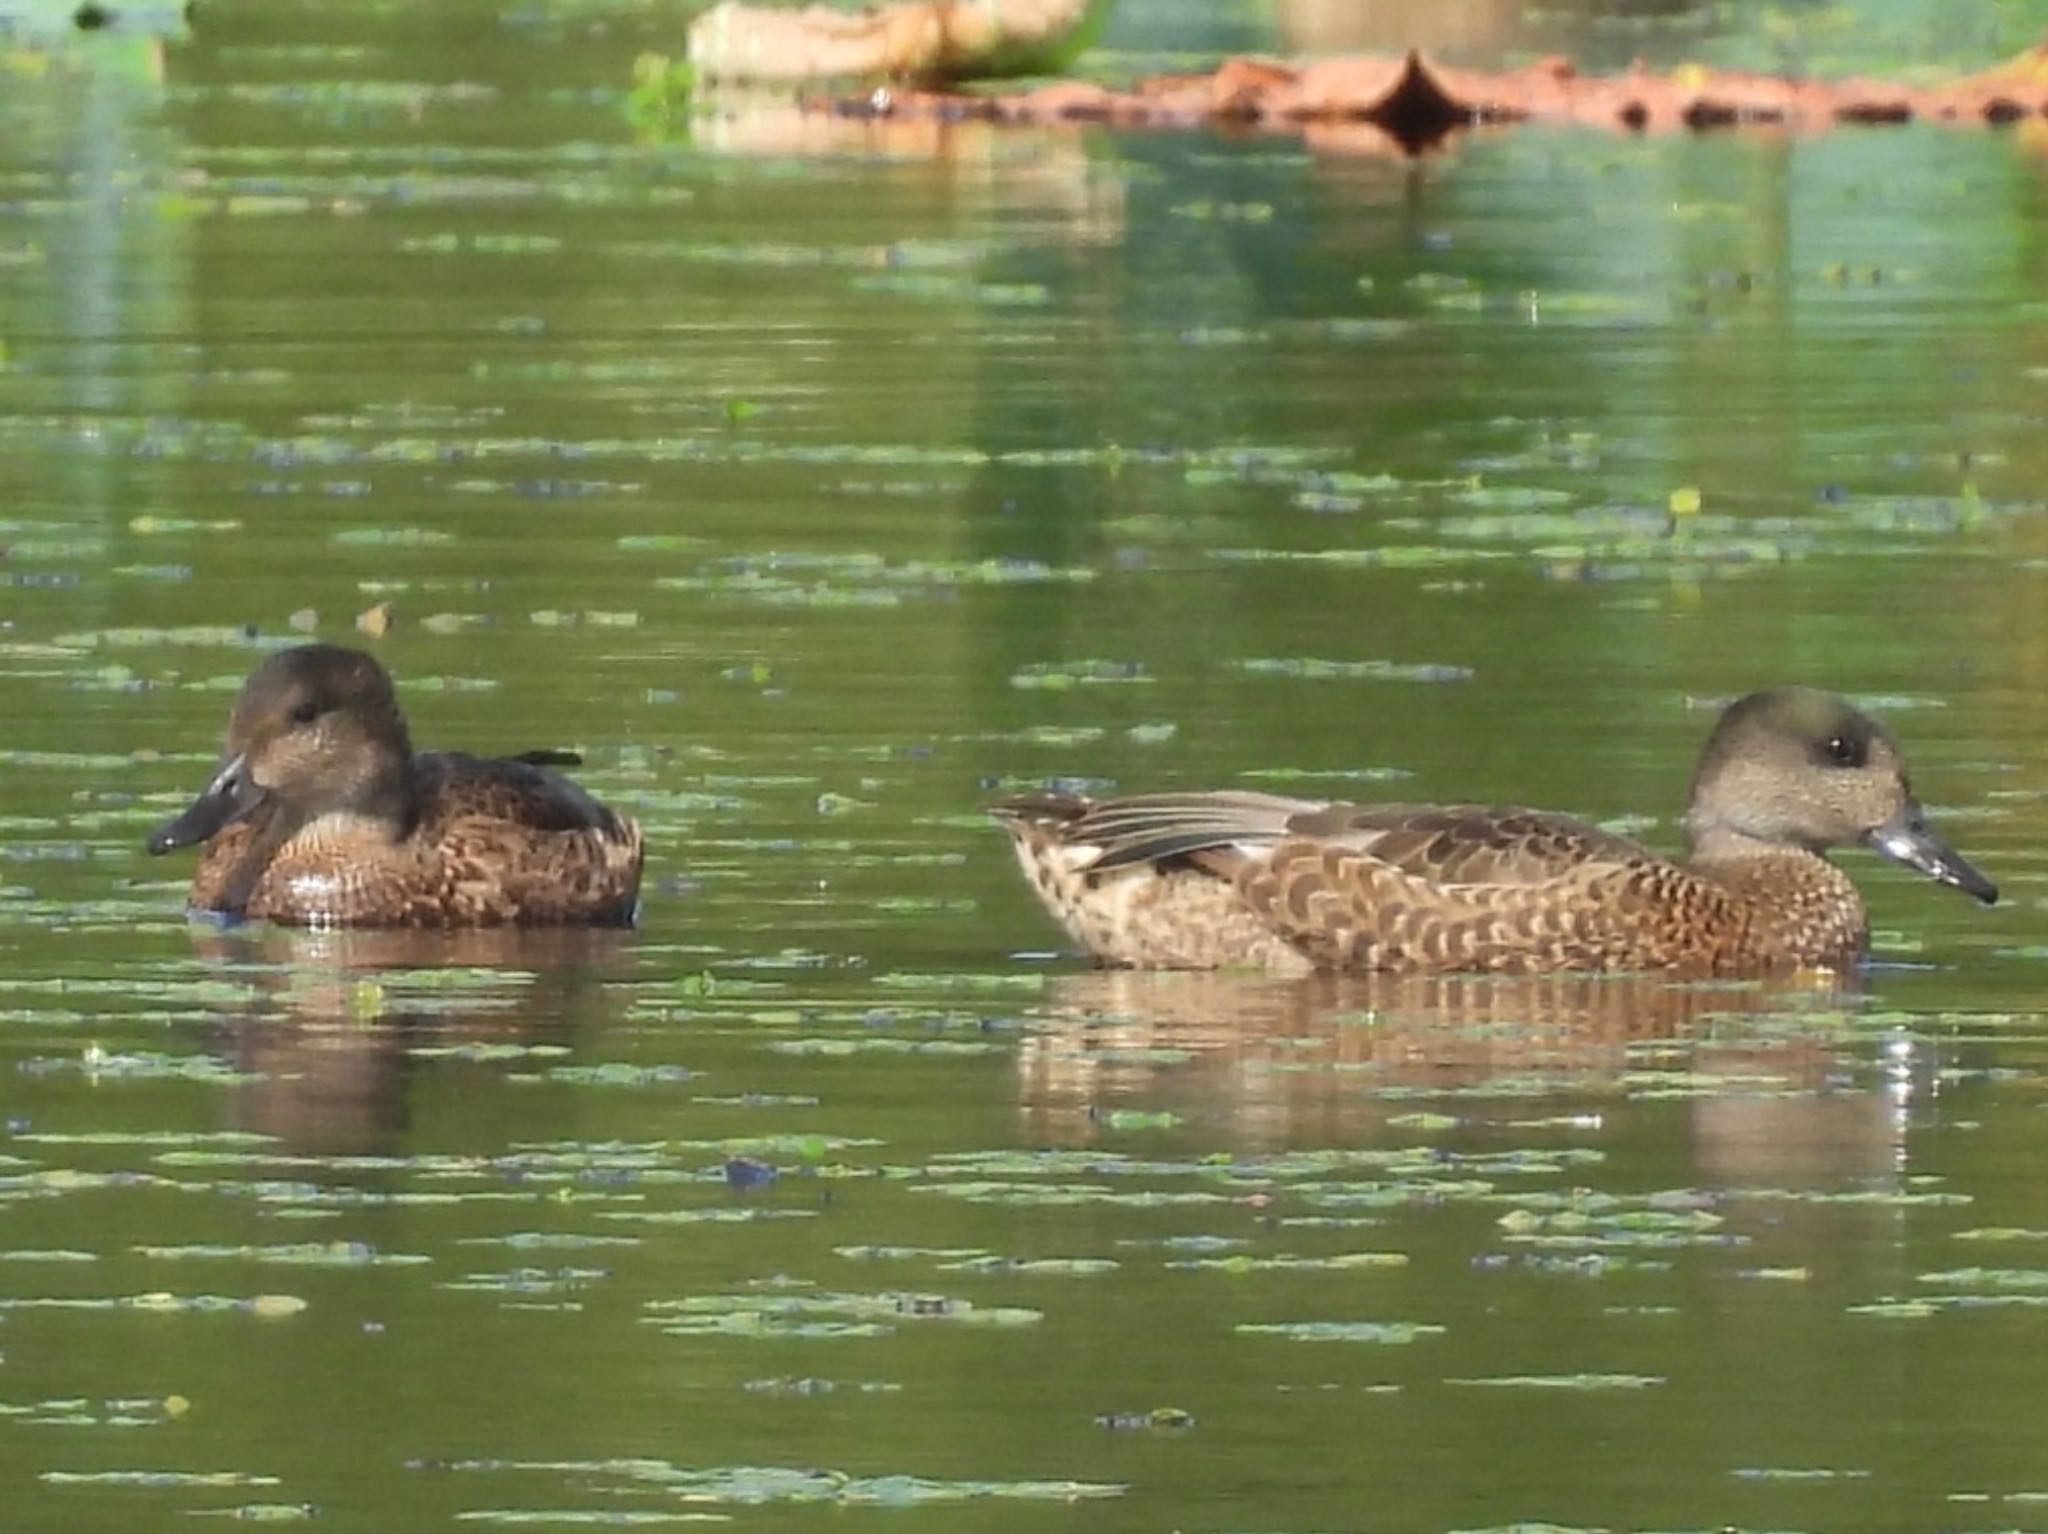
<point x="819" y="480"/>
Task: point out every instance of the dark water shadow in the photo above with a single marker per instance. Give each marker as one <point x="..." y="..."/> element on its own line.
<point x="340" y="1023"/>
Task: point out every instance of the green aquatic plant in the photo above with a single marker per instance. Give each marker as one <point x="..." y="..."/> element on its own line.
<point x="662" y="94"/>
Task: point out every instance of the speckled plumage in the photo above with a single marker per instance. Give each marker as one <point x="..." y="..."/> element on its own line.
<point x="1211" y="880"/>
<point x="322" y="815"/>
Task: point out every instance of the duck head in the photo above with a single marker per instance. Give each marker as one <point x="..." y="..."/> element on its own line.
<point x="315" y="730"/>
<point x="1796" y="767"/>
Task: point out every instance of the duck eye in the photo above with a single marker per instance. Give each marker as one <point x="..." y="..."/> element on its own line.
<point x="306" y="712"/>
<point x="1845" y="751"/>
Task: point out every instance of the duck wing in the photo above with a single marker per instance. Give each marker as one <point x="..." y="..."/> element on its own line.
<point x="1440" y="844"/>
<point x="1154" y="828"/>
<point x="516" y="790"/>
<point x="1467" y="844"/>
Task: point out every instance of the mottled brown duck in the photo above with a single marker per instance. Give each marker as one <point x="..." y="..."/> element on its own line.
<point x="321" y="814"/>
<point x="1216" y="880"/>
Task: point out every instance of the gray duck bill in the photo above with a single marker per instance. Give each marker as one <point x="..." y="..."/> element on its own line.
<point x="1907" y="838"/>
<point x="221" y="803"/>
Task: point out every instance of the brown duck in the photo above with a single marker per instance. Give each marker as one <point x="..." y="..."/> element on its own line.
<point x="321" y="814"/>
<point x="1208" y="880"/>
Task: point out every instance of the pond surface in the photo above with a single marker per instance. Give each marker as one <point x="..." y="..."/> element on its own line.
<point x="821" y="480"/>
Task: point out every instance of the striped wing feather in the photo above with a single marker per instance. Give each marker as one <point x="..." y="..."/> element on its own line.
<point x="1446" y="844"/>
<point x="1468" y="844"/>
<point x="1151" y="828"/>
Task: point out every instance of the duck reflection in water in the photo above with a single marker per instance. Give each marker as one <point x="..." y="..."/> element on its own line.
<point x="1285" y="1061"/>
<point x="1719" y="1093"/>
<point x="344" y="1027"/>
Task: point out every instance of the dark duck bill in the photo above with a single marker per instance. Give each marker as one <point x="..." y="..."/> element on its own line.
<point x="228" y="798"/>
<point x="1907" y="838"/>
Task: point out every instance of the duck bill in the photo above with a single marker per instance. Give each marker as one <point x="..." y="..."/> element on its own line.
<point x="1907" y="838"/>
<point x="230" y="796"/>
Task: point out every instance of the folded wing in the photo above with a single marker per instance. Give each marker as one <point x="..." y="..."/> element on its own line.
<point x="1444" y="844"/>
